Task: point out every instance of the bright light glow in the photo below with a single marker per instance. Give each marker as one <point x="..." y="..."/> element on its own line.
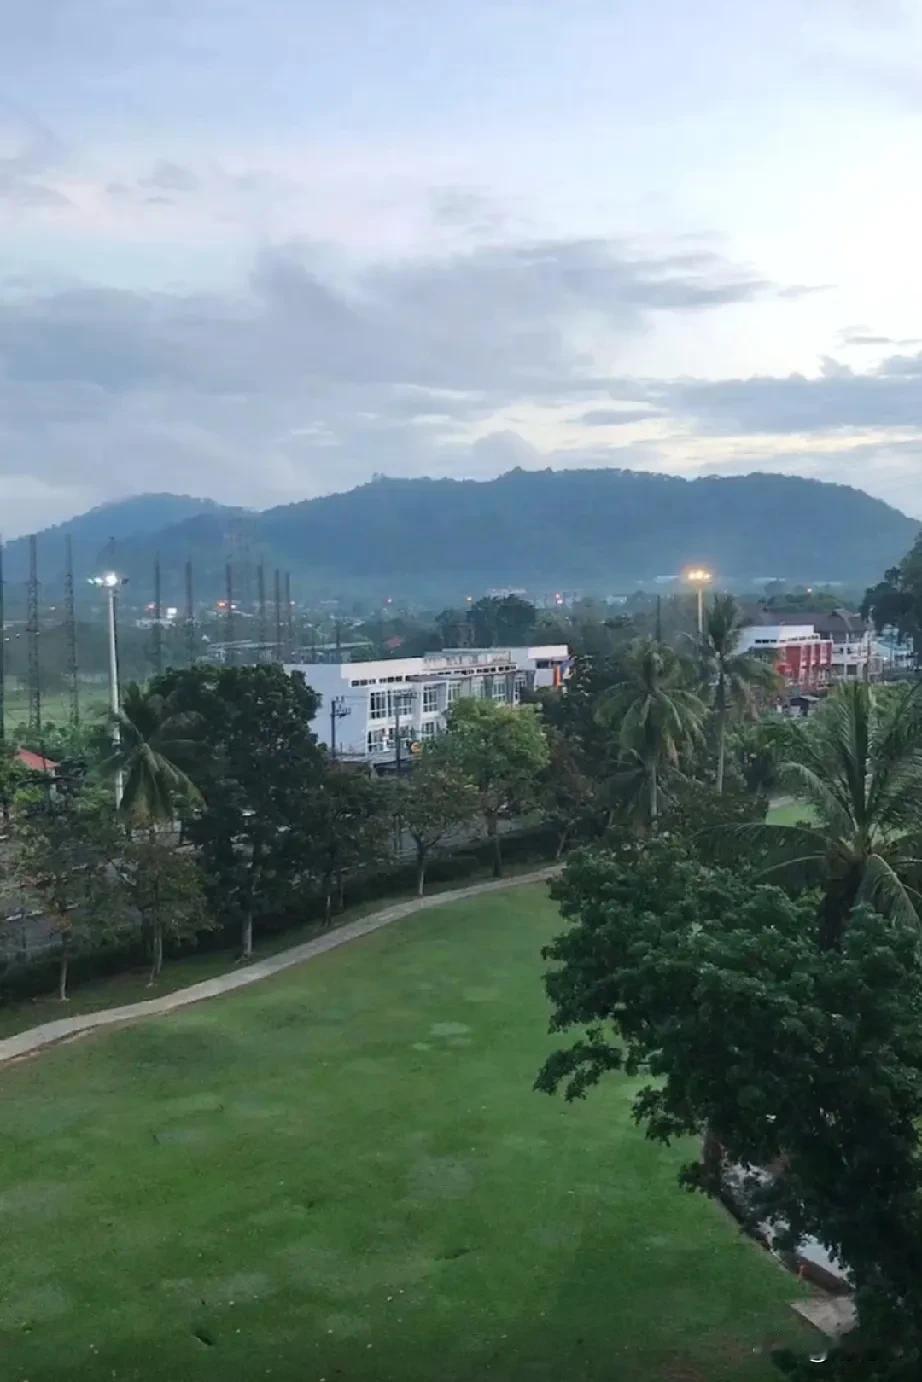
<point x="108" y="579"/>
<point x="698" y="575"/>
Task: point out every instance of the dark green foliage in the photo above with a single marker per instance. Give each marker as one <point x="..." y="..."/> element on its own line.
<point x="156" y="738"/>
<point x="896" y="601"/>
<point x="344" y="826"/>
<point x="429" y="804"/>
<point x="791" y="1056"/>
<point x="164" y="887"/>
<point x="255" y="760"/>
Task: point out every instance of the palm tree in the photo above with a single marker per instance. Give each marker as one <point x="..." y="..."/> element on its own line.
<point x="734" y="677"/>
<point x="657" y="717"/>
<point x="154" y="740"/>
<point x="858" y="764"/>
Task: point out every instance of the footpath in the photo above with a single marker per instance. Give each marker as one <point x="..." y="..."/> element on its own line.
<point x="66" y="1028"/>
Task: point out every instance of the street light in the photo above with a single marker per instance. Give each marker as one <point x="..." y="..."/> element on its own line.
<point x="109" y="581"/>
<point x="699" y="577"/>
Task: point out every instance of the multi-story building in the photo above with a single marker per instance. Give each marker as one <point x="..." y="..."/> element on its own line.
<point x="366" y="706"/>
<point x="800" y="655"/>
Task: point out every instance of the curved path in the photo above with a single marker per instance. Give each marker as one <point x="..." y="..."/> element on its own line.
<point x="65" y="1028"/>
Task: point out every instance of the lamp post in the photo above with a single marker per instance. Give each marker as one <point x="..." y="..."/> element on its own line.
<point x="699" y="577"/>
<point x="110" y="582"/>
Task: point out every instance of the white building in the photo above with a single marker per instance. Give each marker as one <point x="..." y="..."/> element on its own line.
<point x="362" y="703"/>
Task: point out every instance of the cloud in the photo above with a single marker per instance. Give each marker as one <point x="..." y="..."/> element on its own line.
<point x="614" y="417"/>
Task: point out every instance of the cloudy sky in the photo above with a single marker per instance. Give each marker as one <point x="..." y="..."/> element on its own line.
<point x="263" y="249"/>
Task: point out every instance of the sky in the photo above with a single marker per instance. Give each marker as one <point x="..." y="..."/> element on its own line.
<point x="262" y="250"/>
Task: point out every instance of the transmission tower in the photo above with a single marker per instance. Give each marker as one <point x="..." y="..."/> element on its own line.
<point x="263" y="630"/>
<point x="190" y="617"/>
<point x="229" y="612"/>
<point x="289" y="620"/>
<point x="34" y="675"/>
<point x="157" y="626"/>
<point x="278" y="616"/>
<point x="70" y="631"/>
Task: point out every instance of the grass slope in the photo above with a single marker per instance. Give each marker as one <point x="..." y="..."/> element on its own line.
<point x="343" y="1173"/>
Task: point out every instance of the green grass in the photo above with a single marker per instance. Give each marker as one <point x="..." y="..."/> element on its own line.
<point x="56" y="706"/>
<point x="791" y="813"/>
<point x="343" y="1173"/>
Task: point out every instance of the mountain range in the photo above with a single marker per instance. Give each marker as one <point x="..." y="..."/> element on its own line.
<point x="595" y="530"/>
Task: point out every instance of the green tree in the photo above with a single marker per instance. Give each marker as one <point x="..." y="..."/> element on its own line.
<point x="344" y="827"/>
<point x="256" y="761"/>
<point x="502" y="750"/>
<point x="64" y="857"/>
<point x="156" y="738"/>
<point x="734" y="677"/>
<point x="430" y="803"/>
<point x="896" y="601"/>
<point x="13" y="778"/>
<point x="656" y="716"/>
<point x="721" y="990"/>
<point x="165" y="888"/>
<point x="858" y="762"/>
<point x="570" y="797"/>
<point x="498" y="620"/>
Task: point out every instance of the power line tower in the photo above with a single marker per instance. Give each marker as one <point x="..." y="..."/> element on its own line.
<point x="157" y="626"/>
<point x="263" y="629"/>
<point x="229" y="656"/>
<point x="289" y="620"/>
<point x="2" y="651"/>
<point x="32" y="627"/>
<point x="279" y="652"/>
<point x="70" y="631"/>
<point x="190" y="617"/>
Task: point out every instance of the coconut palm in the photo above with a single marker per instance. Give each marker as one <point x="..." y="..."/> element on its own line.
<point x="154" y="741"/>
<point x="734" y="677"/>
<point x="657" y="717"/>
<point x="858" y="764"/>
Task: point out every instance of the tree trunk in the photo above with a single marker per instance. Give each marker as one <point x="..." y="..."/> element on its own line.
<point x="721" y="746"/>
<point x="327" y="898"/>
<point x="246" y="947"/>
<point x="712" y="1157"/>
<point x="654" y="796"/>
<point x="493" y="837"/>
<point x="340" y="890"/>
<point x="836" y="908"/>
<point x="156" y="965"/>
<point x="62" y="976"/>
<point x="562" y="842"/>
<point x="420" y="870"/>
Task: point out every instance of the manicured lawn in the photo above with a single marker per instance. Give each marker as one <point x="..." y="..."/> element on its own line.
<point x="343" y="1173"/>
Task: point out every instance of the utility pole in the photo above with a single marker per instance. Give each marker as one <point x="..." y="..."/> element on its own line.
<point x="70" y="624"/>
<point x="659" y="619"/>
<point x="35" y="689"/>
<point x="190" y="617"/>
<point x="400" y="698"/>
<point x="110" y="583"/>
<point x="157" y="629"/>
<point x="338" y="711"/>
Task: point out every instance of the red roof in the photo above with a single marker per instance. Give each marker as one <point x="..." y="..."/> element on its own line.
<point x="36" y="763"/>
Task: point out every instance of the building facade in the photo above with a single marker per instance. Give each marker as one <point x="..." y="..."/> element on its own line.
<point x="800" y="655"/>
<point x="368" y="707"/>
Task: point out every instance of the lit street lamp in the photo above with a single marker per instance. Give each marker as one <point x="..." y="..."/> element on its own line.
<point x="110" y="582"/>
<point x="699" y="577"/>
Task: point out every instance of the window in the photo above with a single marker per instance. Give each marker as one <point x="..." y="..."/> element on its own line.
<point x="499" y="689"/>
<point x="429" y="729"/>
<point x="430" y="699"/>
<point x="377" y="740"/>
<point x="454" y="691"/>
<point x="377" y="705"/>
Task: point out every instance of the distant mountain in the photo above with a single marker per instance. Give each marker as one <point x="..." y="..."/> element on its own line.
<point x="601" y="530"/>
<point x="121" y="523"/>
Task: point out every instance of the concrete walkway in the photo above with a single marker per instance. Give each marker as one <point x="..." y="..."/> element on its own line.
<point x="66" y="1028"/>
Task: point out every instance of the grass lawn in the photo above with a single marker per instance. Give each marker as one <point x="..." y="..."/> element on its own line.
<point x="791" y="813"/>
<point x="343" y="1173"/>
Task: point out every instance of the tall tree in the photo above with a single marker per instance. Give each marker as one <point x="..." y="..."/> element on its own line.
<point x="256" y="761"/>
<point x="858" y="763"/>
<point x="502" y="751"/>
<point x="733" y="677"/>
<point x="165" y="888"/>
<point x="65" y="851"/>
<point x="497" y="620"/>
<point x="720" y="990"/>
<point x="431" y="803"/>
<point x="656" y="716"/>
<point x="156" y="739"/>
<point x="344" y="826"/>
<point x="896" y="601"/>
